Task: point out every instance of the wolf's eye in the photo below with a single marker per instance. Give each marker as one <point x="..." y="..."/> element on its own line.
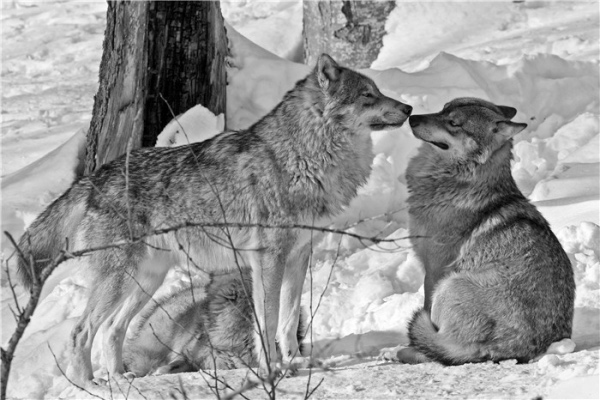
<point x="454" y="124"/>
<point x="368" y="95"/>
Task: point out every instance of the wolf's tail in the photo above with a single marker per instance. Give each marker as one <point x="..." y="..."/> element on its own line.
<point x="426" y="338"/>
<point x="50" y="233"/>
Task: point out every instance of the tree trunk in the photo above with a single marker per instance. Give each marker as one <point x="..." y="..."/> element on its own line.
<point x="118" y="105"/>
<point x="349" y="31"/>
<point x="160" y="59"/>
<point x="187" y="50"/>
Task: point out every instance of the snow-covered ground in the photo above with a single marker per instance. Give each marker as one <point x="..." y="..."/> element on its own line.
<point x="540" y="57"/>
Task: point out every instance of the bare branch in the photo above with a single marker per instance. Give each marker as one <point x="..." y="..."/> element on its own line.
<point x="12" y="290"/>
<point x="314" y="389"/>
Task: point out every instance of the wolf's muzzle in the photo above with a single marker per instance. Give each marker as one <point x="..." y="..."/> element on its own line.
<point x="415" y="121"/>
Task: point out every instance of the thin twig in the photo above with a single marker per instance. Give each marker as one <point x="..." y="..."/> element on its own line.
<point x="67" y="378"/>
<point x="12" y="289"/>
<point x="314" y="389"/>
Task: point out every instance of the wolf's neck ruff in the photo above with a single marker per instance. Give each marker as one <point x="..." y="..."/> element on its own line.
<point x="461" y="184"/>
<point x="326" y="162"/>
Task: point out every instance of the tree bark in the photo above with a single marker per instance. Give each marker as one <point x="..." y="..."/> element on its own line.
<point x="160" y="59"/>
<point x="349" y="31"/>
<point x="118" y="105"/>
<point x="187" y="50"/>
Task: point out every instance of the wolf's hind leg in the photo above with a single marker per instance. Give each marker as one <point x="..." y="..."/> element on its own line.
<point x="461" y="327"/>
<point x="103" y="300"/>
<point x="140" y="289"/>
<point x="460" y="309"/>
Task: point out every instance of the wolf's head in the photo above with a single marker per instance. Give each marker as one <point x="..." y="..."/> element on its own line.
<point x="466" y="130"/>
<point x="354" y="100"/>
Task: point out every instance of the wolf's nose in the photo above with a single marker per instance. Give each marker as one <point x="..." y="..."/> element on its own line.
<point x="414" y="121"/>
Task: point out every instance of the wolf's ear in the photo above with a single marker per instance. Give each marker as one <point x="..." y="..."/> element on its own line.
<point x="328" y="71"/>
<point x="509" y="129"/>
<point x="508" y="112"/>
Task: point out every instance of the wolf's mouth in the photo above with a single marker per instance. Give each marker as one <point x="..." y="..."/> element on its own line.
<point x="441" y="145"/>
<point x="381" y="126"/>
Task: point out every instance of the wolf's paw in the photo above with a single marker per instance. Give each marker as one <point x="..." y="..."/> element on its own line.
<point x="409" y="355"/>
<point x="561" y="347"/>
<point x="304" y="362"/>
<point x="100" y="381"/>
<point x="78" y="377"/>
<point x="267" y="374"/>
<point x="389" y="353"/>
<point x="290" y="367"/>
<point x="177" y="366"/>
<point x="289" y="370"/>
<point x="128" y="376"/>
<point x="564" y="346"/>
<point x="119" y="378"/>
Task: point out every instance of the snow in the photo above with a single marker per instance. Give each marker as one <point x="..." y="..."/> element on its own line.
<point x="539" y="57"/>
<point x="284" y="34"/>
<point x="195" y="125"/>
<point x="498" y="31"/>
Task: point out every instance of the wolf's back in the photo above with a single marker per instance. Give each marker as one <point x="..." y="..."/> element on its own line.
<point x="54" y="230"/>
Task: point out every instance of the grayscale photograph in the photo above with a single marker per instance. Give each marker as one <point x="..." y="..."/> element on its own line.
<point x="300" y="199"/>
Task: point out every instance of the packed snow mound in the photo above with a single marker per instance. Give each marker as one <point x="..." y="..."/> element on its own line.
<point x="26" y="192"/>
<point x="195" y="125"/>
<point x="499" y="32"/>
<point x="582" y="244"/>
<point x="373" y="289"/>
<point x="284" y="18"/>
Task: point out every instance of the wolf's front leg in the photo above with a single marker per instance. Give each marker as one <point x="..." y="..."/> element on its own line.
<point x="291" y="293"/>
<point x="267" y="275"/>
<point x="435" y="271"/>
<point x="431" y="278"/>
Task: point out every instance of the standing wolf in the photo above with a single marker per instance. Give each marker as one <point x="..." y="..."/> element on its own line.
<point x="498" y="284"/>
<point x="300" y="164"/>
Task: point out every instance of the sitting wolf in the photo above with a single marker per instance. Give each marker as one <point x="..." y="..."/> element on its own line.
<point x="229" y="201"/>
<point x="198" y="327"/>
<point x="498" y="284"/>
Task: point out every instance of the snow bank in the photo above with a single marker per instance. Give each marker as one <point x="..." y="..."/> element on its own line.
<point x="195" y="125"/>
<point x="500" y="32"/>
<point x="284" y="19"/>
<point x="28" y="191"/>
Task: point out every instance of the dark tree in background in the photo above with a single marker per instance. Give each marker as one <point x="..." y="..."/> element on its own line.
<point x="350" y="31"/>
<point x="160" y="58"/>
<point x="187" y="50"/>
